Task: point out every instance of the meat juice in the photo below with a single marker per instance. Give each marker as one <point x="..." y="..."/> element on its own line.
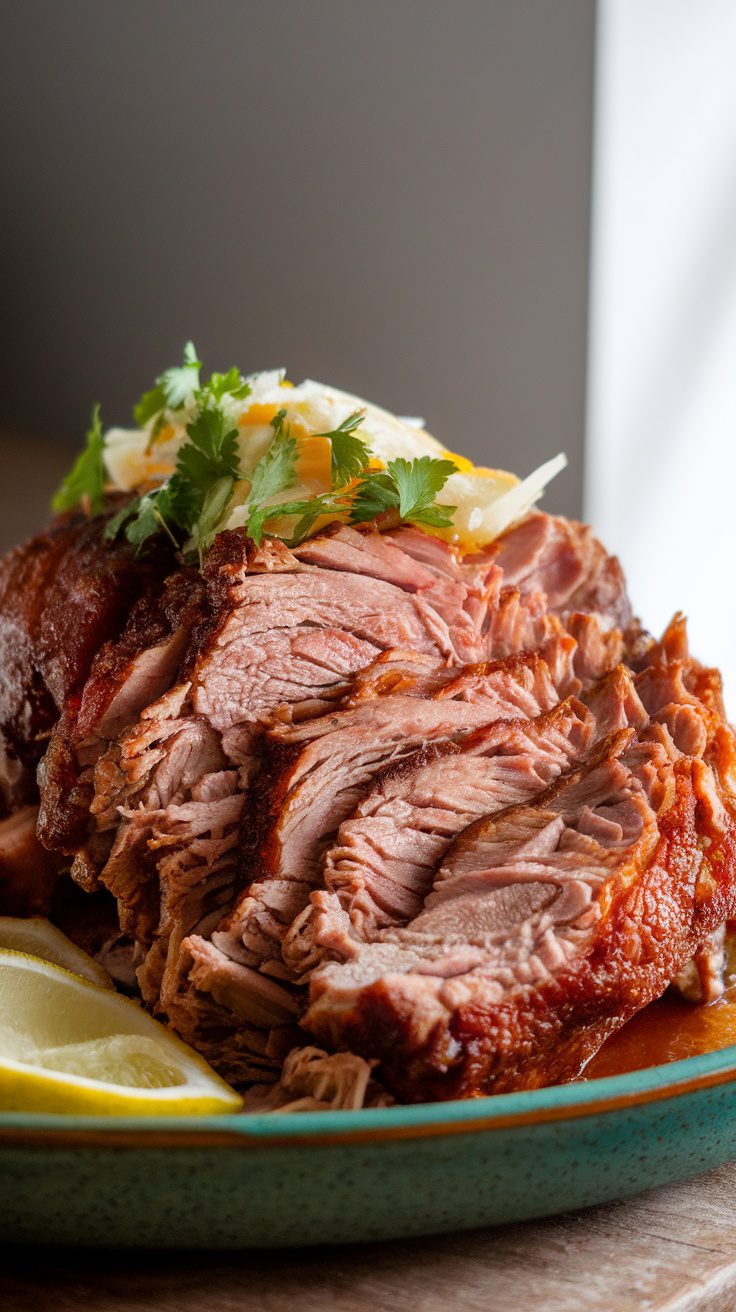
<point x="668" y="1030"/>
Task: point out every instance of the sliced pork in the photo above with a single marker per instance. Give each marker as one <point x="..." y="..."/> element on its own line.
<point x="412" y="802"/>
<point x="276" y="637"/>
<point x="565" y="561"/>
<point x="543" y="927"/>
<point x="317" y="772"/>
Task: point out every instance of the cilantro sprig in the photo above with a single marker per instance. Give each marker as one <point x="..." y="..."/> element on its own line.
<point x="84" y="485"/>
<point x="409" y="487"/>
<point x="350" y="454"/>
<point x="172" y="388"/>
<point x="276" y="469"/>
<point x="195" y="502"/>
<point x="276" y="473"/>
<point x="196" y="496"/>
<point x="180" y="384"/>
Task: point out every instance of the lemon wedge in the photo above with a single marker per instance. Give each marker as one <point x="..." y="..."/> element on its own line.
<point x="39" y="938"/>
<point x="67" y="1045"/>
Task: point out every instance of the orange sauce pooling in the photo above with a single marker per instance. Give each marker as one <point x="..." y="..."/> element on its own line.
<point x="666" y="1031"/>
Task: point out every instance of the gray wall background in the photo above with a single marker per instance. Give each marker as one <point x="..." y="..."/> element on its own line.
<point x="391" y="195"/>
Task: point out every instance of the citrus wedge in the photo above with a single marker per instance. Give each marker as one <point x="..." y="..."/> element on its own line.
<point x="67" y="1045"/>
<point x="39" y="938"/>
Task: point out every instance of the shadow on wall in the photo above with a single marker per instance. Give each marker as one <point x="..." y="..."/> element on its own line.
<point x="391" y="197"/>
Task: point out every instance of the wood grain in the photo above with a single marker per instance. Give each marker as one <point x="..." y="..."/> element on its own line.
<point x="673" y="1250"/>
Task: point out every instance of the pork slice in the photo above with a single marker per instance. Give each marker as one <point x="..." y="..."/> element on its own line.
<point x="314" y="775"/>
<point x="381" y="866"/>
<point x="158" y="796"/>
<point x="274" y="639"/>
<point x="399" y="670"/>
<point x="599" y="648"/>
<point x="242" y="1021"/>
<point x="547" y="927"/>
<point x="62" y="595"/>
<point x="318" y="772"/>
<point x="565" y="561"/>
<point x="460" y="591"/>
<point x="519" y="621"/>
<point x="386" y="852"/>
<point x="298" y="636"/>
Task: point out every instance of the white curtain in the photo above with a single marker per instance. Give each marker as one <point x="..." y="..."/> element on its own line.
<point x="661" y="453"/>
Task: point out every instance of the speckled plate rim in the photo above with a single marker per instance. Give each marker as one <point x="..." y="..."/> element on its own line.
<point x="426" y="1120"/>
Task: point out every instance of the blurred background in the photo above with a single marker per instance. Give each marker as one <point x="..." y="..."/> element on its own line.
<point x="389" y="195"/>
<point x="515" y="219"/>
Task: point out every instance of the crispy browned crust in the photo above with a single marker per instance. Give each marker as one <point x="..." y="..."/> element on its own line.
<point x="169" y="604"/>
<point x="62" y="595"/>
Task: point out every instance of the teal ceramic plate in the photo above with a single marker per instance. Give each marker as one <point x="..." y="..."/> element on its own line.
<point x="334" y="1177"/>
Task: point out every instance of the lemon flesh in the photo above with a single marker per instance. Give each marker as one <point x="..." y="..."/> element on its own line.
<point x="39" y="938"/>
<point x="68" y="1045"/>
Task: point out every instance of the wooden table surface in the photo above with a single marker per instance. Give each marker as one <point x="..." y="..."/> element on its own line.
<point x="673" y="1250"/>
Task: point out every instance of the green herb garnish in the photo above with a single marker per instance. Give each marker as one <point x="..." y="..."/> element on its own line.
<point x="350" y="454"/>
<point x="276" y="473"/>
<point x="410" y="487"/>
<point x="172" y="389"/>
<point x="194" y="503"/>
<point x="196" y="496"/>
<point x="276" y="469"/>
<point x="84" y="485"/>
<point x="231" y="384"/>
<point x="175" y="386"/>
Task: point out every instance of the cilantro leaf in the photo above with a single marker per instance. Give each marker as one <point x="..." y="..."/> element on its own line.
<point x="229" y="384"/>
<point x="210" y="515"/>
<point x="409" y="487"/>
<point x="180" y="381"/>
<point x="194" y="499"/>
<point x="376" y="493"/>
<point x="172" y="388"/>
<point x="211" y="451"/>
<point x="117" y="521"/>
<point x="85" y="484"/>
<point x="150" y="405"/>
<point x="276" y="469"/>
<point x="418" y="482"/>
<point x="309" y="511"/>
<point x="167" y="508"/>
<point x="148" y="519"/>
<point x="433" y="516"/>
<point x="350" y="454"/>
<point x="206" y="469"/>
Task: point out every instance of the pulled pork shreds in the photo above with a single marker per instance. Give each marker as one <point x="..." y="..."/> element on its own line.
<point x="314" y="1081"/>
<point x="454" y="817"/>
